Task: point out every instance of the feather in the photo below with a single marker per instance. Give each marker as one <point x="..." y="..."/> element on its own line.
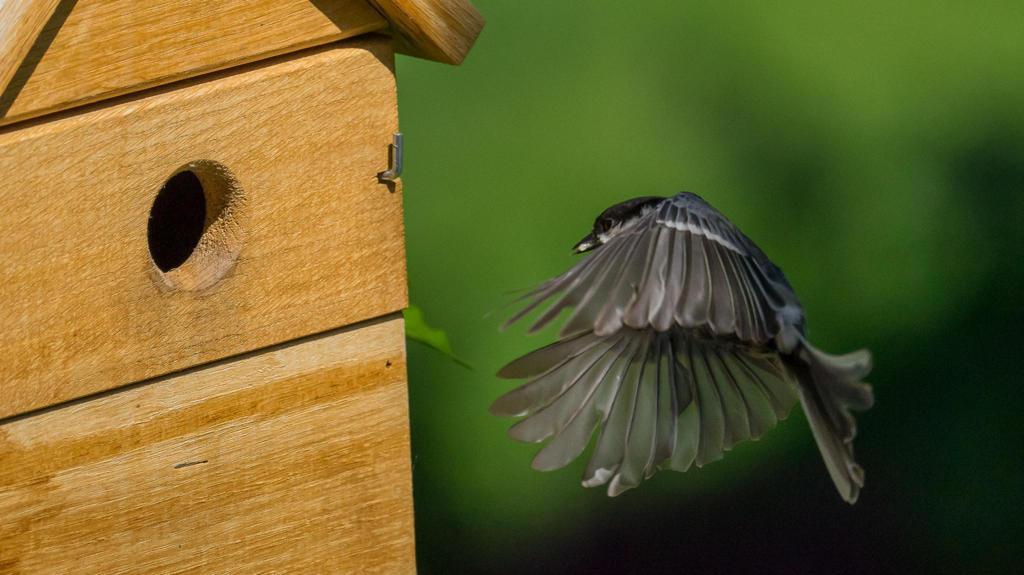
<point x="608" y="453"/>
<point x="668" y="408"/>
<point x="614" y="301"/>
<point x="746" y="326"/>
<point x="663" y="315"/>
<point x="697" y="293"/>
<point x="547" y="357"/>
<point x="545" y="387"/>
<point x="830" y="387"/>
<point x="639" y="438"/>
<point x="679" y="263"/>
<point x="651" y="288"/>
<point x="723" y="293"/>
<point x="734" y="408"/>
<point x="572" y="438"/>
<point x="581" y="293"/>
<point x="760" y="414"/>
<point x="712" y="420"/>
<point x="574" y="384"/>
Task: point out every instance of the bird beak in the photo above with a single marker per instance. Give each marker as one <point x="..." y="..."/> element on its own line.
<point x="586" y="244"/>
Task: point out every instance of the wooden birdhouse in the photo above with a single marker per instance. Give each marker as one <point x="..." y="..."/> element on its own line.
<point x="202" y="272"/>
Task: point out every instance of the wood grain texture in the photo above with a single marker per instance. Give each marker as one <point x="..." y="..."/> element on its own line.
<point x="82" y="306"/>
<point x="442" y="30"/>
<point x="21" y="21"/>
<point x="102" y="48"/>
<point x="294" y="460"/>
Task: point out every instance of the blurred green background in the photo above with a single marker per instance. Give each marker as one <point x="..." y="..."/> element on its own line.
<point x="875" y="150"/>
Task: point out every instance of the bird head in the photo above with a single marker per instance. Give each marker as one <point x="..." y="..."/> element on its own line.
<point x="614" y="220"/>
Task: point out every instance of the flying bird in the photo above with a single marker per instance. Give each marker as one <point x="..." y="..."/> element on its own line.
<point x="684" y="339"/>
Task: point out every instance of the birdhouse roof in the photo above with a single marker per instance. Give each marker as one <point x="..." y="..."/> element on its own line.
<point x="56" y="54"/>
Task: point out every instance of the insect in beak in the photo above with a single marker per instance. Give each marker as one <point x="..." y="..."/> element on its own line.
<point x="586" y="244"/>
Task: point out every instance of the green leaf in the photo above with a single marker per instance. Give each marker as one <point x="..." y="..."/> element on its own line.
<point x="417" y="329"/>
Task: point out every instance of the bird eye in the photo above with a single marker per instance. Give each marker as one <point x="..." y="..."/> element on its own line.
<point x="606" y="225"/>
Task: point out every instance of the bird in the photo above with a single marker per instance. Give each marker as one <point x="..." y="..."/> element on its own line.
<point x="683" y="340"/>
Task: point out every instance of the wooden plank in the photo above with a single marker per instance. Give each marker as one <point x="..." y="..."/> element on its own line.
<point x="21" y="21"/>
<point x="442" y="30"/>
<point x="294" y="460"/>
<point x="104" y="48"/>
<point x="82" y="305"/>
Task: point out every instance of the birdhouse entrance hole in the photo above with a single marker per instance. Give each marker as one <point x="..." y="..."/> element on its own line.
<point x="196" y="225"/>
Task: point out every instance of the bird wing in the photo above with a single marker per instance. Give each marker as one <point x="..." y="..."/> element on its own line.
<point x="662" y="400"/>
<point x="681" y="263"/>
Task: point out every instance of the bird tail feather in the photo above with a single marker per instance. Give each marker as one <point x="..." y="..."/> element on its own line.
<point x="830" y="387"/>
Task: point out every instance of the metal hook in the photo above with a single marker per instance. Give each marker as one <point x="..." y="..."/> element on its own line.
<point x="395" y="161"/>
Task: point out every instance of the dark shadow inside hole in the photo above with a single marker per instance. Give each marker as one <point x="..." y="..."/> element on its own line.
<point x="176" y="220"/>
